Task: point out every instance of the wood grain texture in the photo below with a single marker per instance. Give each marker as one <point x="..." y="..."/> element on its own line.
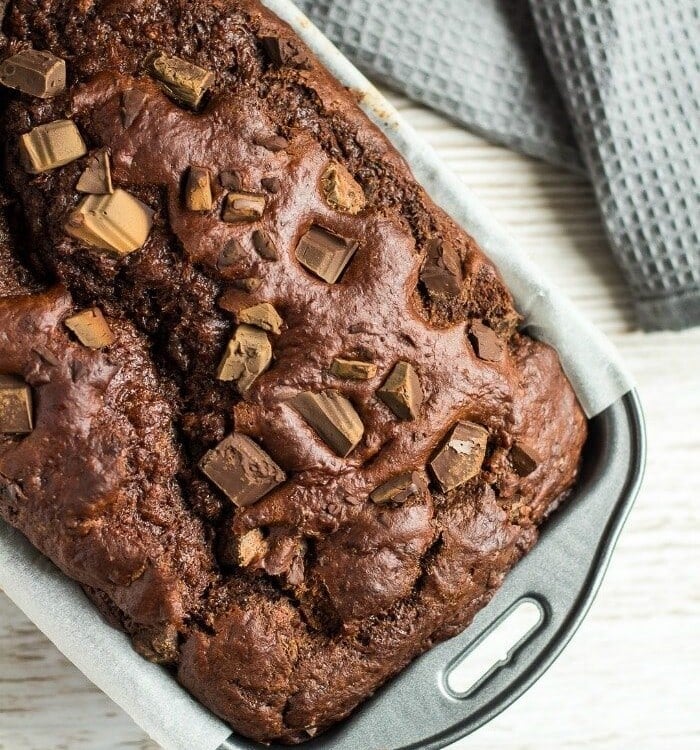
<point x="631" y="676"/>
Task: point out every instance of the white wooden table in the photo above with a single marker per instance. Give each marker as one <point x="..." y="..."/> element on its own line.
<point x="631" y="676"/>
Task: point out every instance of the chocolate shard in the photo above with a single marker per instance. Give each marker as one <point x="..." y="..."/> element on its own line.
<point x="353" y="369"/>
<point x="325" y="254"/>
<point x="97" y="177"/>
<point x="461" y="456"/>
<point x="264" y="245"/>
<point x="182" y="80"/>
<point x="241" y="470"/>
<point x="50" y="146"/>
<point x="198" y="196"/>
<point x="15" y="406"/>
<point x="271" y="142"/>
<point x="247" y="356"/>
<point x="244" y="207"/>
<point x="333" y="417"/>
<point x="262" y="316"/>
<point x="280" y="52"/>
<point x="486" y="343"/>
<point x="252" y="548"/>
<point x="400" y="488"/>
<point x="133" y="101"/>
<point x="118" y="223"/>
<point x="36" y="73"/>
<point x="402" y="391"/>
<point x="341" y="190"/>
<point x="442" y="269"/>
<point x="271" y="184"/>
<point x="525" y="458"/>
<point x="91" y="328"/>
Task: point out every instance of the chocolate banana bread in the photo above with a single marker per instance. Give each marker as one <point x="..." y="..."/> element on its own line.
<point x="259" y="396"/>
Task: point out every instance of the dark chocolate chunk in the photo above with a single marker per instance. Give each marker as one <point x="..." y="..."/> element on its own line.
<point x="353" y="369"/>
<point x="333" y="417"/>
<point x="461" y="456"/>
<point x="250" y="284"/>
<point x="402" y="391"/>
<point x="231" y="253"/>
<point x="230" y="180"/>
<point x="271" y="184"/>
<point x="244" y="207"/>
<point x="247" y="356"/>
<point x="182" y="80"/>
<point x="324" y="253"/>
<point x="264" y="245"/>
<point x="486" y="343"/>
<point x="97" y="176"/>
<point x="442" y="269"/>
<point x="133" y="101"/>
<point x="36" y="73"/>
<point x="198" y="196"/>
<point x="401" y="488"/>
<point x="241" y="470"/>
<point x="341" y="190"/>
<point x="279" y="51"/>
<point x="272" y="142"/>
<point x="525" y="458"/>
<point x="15" y="406"/>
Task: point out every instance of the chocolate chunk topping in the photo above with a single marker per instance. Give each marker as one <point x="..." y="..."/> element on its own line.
<point x="182" y="80"/>
<point x="333" y="417"/>
<point x="401" y="488"/>
<point x="231" y="253"/>
<point x="230" y="180"/>
<point x="442" y="269"/>
<point x="244" y="207"/>
<point x="250" y="284"/>
<point x="486" y="343"/>
<point x="91" y="328"/>
<point x="15" y="406"/>
<point x="279" y="51"/>
<point x="324" y="253"/>
<point x="118" y="223"/>
<point x="341" y="190"/>
<point x="252" y="548"/>
<point x="247" y="356"/>
<point x="50" y="146"/>
<point x="241" y="470"/>
<point x="97" y="177"/>
<point x="353" y="369"/>
<point x="525" y="458"/>
<point x="402" y="391"/>
<point x="272" y="143"/>
<point x="271" y="184"/>
<point x="264" y="245"/>
<point x="462" y="455"/>
<point x="35" y="73"/>
<point x="133" y="101"/>
<point x="198" y="195"/>
<point x="262" y="316"/>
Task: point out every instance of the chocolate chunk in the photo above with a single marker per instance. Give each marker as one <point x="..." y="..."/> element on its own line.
<point x="461" y="456"/>
<point x="333" y="417"/>
<point x="486" y="343"/>
<point x="198" y="195"/>
<point x="340" y="189"/>
<point x="264" y="245"/>
<point x="241" y="470"/>
<point x="15" y="406"/>
<point x="271" y="184"/>
<point x="35" y="73"/>
<point x="230" y="180"/>
<point x="401" y="488"/>
<point x="279" y="51"/>
<point x="442" y="270"/>
<point x="252" y="548"/>
<point x="231" y="253"/>
<point x="133" y="101"/>
<point x="353" y="369"/>
<point x="272" y="142"/>
<point x="182" y="80"/>
<point x="244" y="207"/>
<point x="97" y="177"/>
<point x="91" y="328"/>
<point x="50" y="146"/>
<point x="250" y="284"/>
<point x="247" y="356"/>
<point x="525" y="458"/>
<point x="118" y="223"/>
<point x="325" y="254"/>
<point x="402" y="391"/>
<point x="262" y="316"/>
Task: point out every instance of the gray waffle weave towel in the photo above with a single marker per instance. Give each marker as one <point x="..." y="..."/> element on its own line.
<point x="609" y="86"/>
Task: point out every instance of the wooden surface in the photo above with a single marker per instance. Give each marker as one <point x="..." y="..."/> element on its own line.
<point x="631" y="676"/>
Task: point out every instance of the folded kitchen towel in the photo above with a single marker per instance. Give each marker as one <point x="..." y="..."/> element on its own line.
<point x="611" y="87"/>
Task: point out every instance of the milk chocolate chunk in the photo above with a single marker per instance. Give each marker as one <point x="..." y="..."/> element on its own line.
<point x="461" y="456"/>
<point x="247" y="356"/>
<point x="36" y="73"/>
<point x="182" y="80"/>
<point x="244" y="207"/>
<point x="333" y="417"/>
<point x="525" y="458"/>
<point x="50" y="146"/>
<point x="340" y="189"/>
<point x="325" y="254"/>
<point x="15" y="406"/>
<point x="241" y="470"/>
<point x="91" y="328"/>
<point x="97" y="177"/>
<point x="442" y="269"/>
<point x="262" y="316"/>
<point x="252" y="548"/>
<point x="118" y="223"/>
<point x="353" y="369"/>
<point x="198" y="195"/>
<point x="401" y="488"/>
<point x="271" y="184"/>
<point x="402" y="391"/>
<point x="486" y="343"/>
<point x="264" y="245"/>
<point x="272" y="142"/>
<point x="133" y="101"/>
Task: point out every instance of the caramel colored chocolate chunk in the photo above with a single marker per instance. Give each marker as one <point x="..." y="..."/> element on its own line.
<point x="325" y="254"/>
<point x="262" y="316"/>
<point x="15" y="406"/>
<point x="247" y="356"/>
<point x="264" y="245"/>
<point x="50" y="146"/>
<point x="333" y="417"/>
<point x="252" y="548"/>
<point x="353" y="369"/>
<point x="525" y="458"/>
<point x="402" y="391"/>
<point x="241" y="470"/>
<point x="91" y="328"/>
<point x="36" y="73"/>
<point x="486" y="343"/>
<point x="182" y="80"/>
<point x="272" y="142"/>
<point x="340" y="189"/>
<point x="198" y="196"/>
<point x="401" y="488"/>
<point x="461" y="457"/>
<point x="442" y="270"/>
<point x="97" y="177"/>
<point x="244" y="207"/>
<point x="118" y="223"/>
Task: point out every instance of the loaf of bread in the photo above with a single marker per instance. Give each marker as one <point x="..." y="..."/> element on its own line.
<point x="259" y="396"/>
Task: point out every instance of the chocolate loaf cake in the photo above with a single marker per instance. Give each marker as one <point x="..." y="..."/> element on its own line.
<point x="259" y="396"/>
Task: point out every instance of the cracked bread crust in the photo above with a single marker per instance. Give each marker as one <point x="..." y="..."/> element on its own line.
<point x="338" y="593"/>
